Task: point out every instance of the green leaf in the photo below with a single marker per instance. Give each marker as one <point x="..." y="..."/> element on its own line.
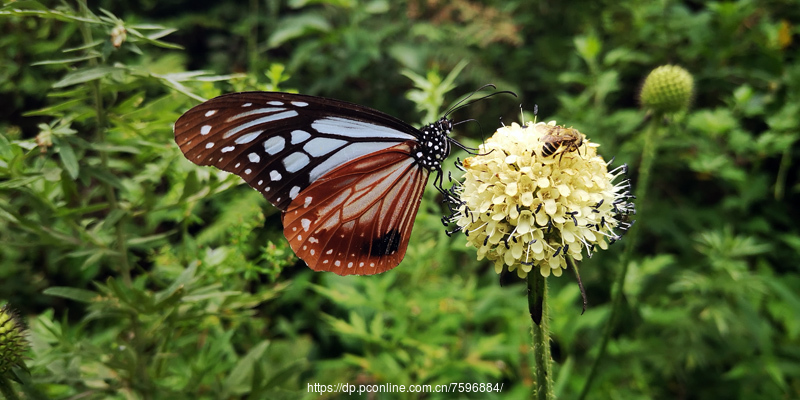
<point x="80" y="295"/>
<point x="55" y="110"/>
<point x="86" y="75"/>
<point x="66" y="60"/>
<point x="295" y="27"/>
<point x="588" y="47"/>
<point x="103" y="175"/>
<point x="237" y="381"/>
<point x="36" y="9"/>
<point x="5" y="148"/>
<point x="25" y="5"/>
<point x="85" y="46"/>
<point x="68" y="158"/>
<point x="152" y="38"/>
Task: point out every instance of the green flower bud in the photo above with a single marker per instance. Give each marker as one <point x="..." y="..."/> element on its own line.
<point x="12" y="339"/>
<point x="667" y="89"/>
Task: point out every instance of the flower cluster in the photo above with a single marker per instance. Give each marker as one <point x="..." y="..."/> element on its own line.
<point x="537" y="193"/>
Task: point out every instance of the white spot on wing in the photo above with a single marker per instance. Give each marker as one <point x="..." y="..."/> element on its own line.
<point x="260" y="182"/>
<point x="294" y="192"/>
<point x="345" y="154"/>
<point x="295" y="162"/>
<point x="247" y="137"/>
<point x="275" y="176"/>
<point x="228" y="149"/>
<point x="337" y="263"/>
<point x="351" y="128"/>
<point x="299" y="136"/>
<point x="275" y="103"/>
<point x="329" y="251"/>
<point x="255" y="111"/>
<point x="306" y="223"/>
<point x="274" y="145"/>
<point x="205" y="129"/>
<point x="307" y="201"/>
<point x="210" y="113"/>
<point x="247" y="104"/>
<point x="263" y="120"/>
<point x="300" y="103"/>
<point x="209" y="145"/>
<point x="254" y="157"/>
<point x="320" y="146"/>
<point x="248" y="171"/>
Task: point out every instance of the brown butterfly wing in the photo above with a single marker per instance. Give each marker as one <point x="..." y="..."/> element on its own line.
<point x="357" y="219"/>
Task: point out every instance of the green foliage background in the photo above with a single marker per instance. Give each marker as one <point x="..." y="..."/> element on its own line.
<point x="144" y="276"/>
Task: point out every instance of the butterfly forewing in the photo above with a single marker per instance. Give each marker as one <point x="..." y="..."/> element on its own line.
<point x="358" y="218"/>
<point x="280" y="143"/>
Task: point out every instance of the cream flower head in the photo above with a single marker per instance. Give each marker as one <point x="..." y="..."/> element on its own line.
<point x="537" y="193"/>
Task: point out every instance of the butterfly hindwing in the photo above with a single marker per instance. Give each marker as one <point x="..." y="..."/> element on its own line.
<point x="280" y="143"/>
<point x="358" y="218"/>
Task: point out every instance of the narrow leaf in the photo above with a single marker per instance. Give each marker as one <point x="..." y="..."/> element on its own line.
<point x="86" y="75"/>
<point x="66" y="60"/>
<point x="81" y="295"/>
<point x="68" y="158"/>
<point x="241" y="374"/>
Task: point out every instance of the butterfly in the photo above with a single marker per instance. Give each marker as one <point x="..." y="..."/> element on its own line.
<point x="348" y="179"/>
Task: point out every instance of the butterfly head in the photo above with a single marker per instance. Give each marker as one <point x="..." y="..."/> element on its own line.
<point x="434" y="144"/>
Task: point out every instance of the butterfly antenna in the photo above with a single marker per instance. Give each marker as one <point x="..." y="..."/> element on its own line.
<point x="459" y="105"/>
<point x="468" y="96"/>
<point x="470" y="150"/>
<point x="466" y="120"/>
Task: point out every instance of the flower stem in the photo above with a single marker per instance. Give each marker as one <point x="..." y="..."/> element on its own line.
<point x="648" y="157"/>
<point x="572" y="264"/>
<point x="100" y="137"/>
<point x="542" y="366"/>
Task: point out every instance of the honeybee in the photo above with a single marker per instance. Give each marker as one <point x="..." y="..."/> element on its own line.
<point x="561" y="140"/>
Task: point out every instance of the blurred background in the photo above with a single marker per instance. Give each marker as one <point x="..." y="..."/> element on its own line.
<point x="141" y="275"/>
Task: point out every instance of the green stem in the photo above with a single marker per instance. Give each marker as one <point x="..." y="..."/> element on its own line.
<point x="648" y="157"/>
<point x="252" y="38"/>
<point x="574" y="266"/>
<point x="542" y="366"/>
<point x="6" y="389"/>
<point x="780" y="181"/>
<point x="100" y="133"/>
